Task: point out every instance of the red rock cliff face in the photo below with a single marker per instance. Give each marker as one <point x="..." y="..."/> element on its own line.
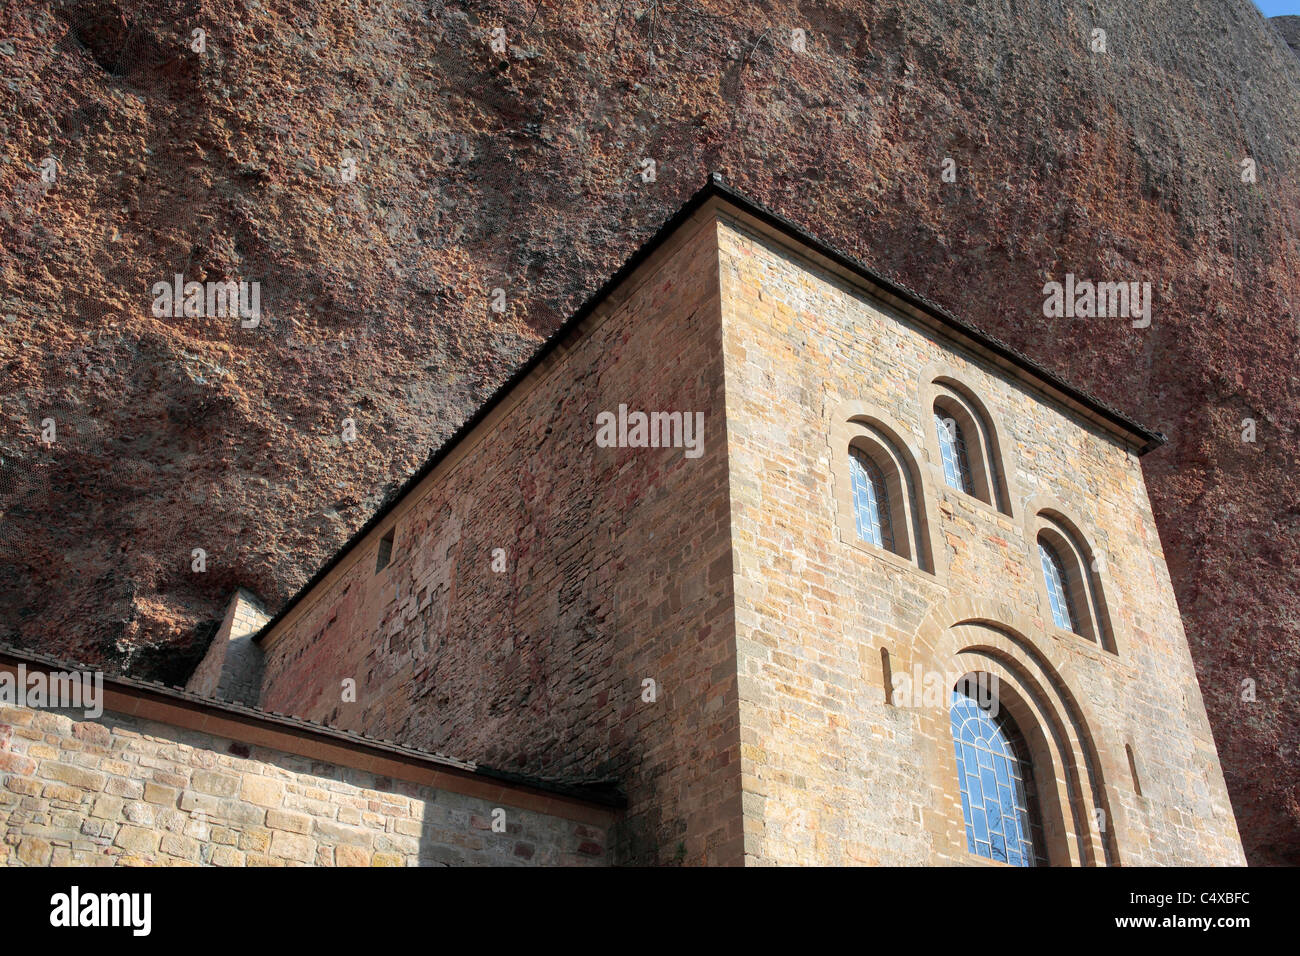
<point x="477" y="169"/>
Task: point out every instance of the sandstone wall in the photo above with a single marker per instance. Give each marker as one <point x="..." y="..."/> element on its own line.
<point x="832" y="772"/>
<point x="121" y="791"/>
<point x="231" y="668"/>
<point x="478" y="170"/>
<point x="616" y="572"/>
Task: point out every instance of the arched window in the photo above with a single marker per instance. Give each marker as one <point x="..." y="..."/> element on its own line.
<point x="968" y="446"/>
<point x="952" y="449"/>
<point x="1056" y="577"/>
<point x="998" y="799"/>
<point x="881" y="494"/>
<point x="1072" y="583"/>
<point x="871" y="505"/>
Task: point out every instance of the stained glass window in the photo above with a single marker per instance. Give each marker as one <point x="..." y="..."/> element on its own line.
<point x="998" y="800"/>
<point x="870" y="501"/>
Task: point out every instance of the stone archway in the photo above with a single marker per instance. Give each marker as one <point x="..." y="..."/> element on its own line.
<point x="1074" y="772"/>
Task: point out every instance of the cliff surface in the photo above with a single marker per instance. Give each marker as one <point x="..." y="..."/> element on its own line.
<point x="521" y="169"/>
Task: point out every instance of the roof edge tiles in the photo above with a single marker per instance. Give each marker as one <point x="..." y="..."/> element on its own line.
<point x="600" y="793"/>
<point x="1145" y="439"/>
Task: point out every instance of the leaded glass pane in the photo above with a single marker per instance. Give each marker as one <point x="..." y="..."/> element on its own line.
<point x="997" y="792"/>
<point x="870" y="501"/>
<point x="1058" y="591"/>
<point x="952" y="449"/>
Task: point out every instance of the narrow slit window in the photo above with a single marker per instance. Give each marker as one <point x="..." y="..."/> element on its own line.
<point x="887" y="673"/>
<point x="385" y="551"/>
<point x="1133" y="769"/>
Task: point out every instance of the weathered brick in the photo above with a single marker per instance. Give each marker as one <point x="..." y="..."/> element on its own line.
<point x="119" y="787"/>
<point x="51" y="723"/>
<point x="107" y="807"/>
<point x="227" y="856"/>
<point x="346" y="855"/>
<point x="165" y="796"/>
<point x="137" y="812"/>
<point x="16" y="763"/>
<point x="30" y="788"/>
<point x="327" y="830"/>
<point x="18" y="716"/>
<point x="183" y="847"/>
<point x="224" y="835"/>
<point x="243" y="814"/>
<point x="192" y="802"/>
<point x="255" y="840"/>
<point x="92" y="733"/>
<point x="33" y="851"/>
<point x="262" y="791"/>
<point x="62" y="792"/>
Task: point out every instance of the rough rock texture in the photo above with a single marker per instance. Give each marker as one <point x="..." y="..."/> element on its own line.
<point x="1289" y="27"/>
<point x="521" y="170"/>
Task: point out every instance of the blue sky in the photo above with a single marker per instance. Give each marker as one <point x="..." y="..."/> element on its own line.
<point x="1275" y="8"/>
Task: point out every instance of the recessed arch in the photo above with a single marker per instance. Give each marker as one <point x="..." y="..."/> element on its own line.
<point x="965" y="635"/>
<point x="960" y="453"/>
<point x="1071" y="576"/>
<point x="873" y="460"/>
<point x="962" y="426"/>
<point x="880" y="492"/>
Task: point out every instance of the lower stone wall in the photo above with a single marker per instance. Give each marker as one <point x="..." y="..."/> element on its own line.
<point x="120" y="790"/>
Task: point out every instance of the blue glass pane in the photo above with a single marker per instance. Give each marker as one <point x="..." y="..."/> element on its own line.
<point x="1058" y="594"/>
<point x="952" y="451"/>
<point x="998" y="846"/>
<point x="995" y="782"/>
<point x="871" y="512"/>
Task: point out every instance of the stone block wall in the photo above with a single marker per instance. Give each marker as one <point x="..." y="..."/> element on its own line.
<point x="603" y="647"/>
<point x="734" y="583"/>
<point x="121" y="791"/>
<point x="832" y="771"/>
<point x="231" y="668"/>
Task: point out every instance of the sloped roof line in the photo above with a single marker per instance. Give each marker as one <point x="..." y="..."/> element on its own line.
<point x="715" y="187"/>
<point x="604" y="792"/>
<point x="1151" y="438"/>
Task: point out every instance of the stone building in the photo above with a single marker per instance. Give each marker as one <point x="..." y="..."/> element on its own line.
<point x="808" y="569"/>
